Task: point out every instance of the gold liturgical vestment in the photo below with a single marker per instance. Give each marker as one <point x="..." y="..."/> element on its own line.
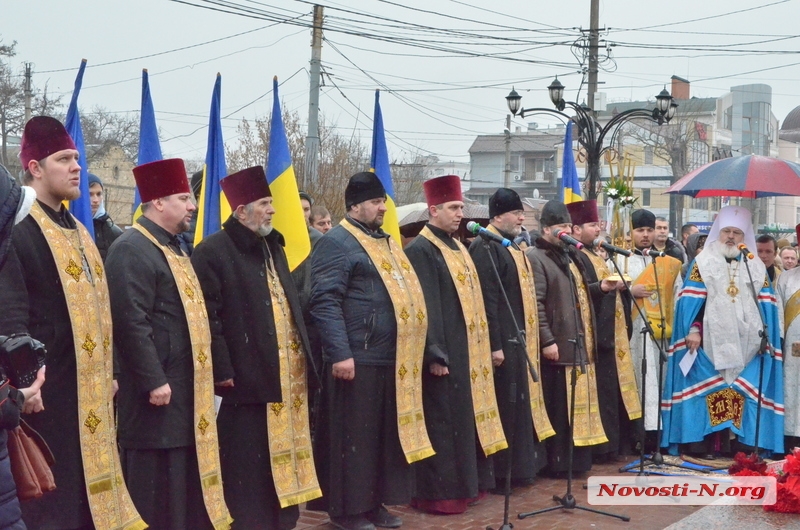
<point x="82" y="276"/>
<point x="666" y="270"/>
<point x="484" y="403"/>
<point x="405" y="292"/>
<point x="288" y="430"/>
<point x="626" y="376"/>
<point x="541" y="421"/>
<point x="205" y="424"/>
<point x="588" y="428"/>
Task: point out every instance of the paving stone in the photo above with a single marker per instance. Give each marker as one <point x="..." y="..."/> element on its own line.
<point x="489" y="511"/>
<point x="734" y="517"/>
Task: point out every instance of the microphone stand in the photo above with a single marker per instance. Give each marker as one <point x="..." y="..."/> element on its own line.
<point x="764" y="348"/>
<point x="647" y="330"/>
<point x="580" y="358"/>
<point x="656" y="457"/>
<point x="523" y="345"/>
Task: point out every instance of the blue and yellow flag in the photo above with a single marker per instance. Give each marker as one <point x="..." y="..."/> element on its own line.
<point x="380" y="166"/>
<point x="149" y="145"/>
<point x="288" y="219"/>
<point x="213" y="207"/>
<point x="81" y="207"/>
<point x="570" y="184"/>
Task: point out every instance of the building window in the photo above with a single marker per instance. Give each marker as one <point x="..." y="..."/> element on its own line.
<point x="727" y="122"/>
<point x="116" y="173"/>
<point x="538" y="169"/>
<point x="645" y="196"/>
<point x="515" y="163"/>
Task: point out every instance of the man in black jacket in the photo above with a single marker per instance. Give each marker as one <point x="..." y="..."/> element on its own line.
<point x="666" y="244"/>
<point x="457" y="347"/>
<point x="167" y="433"/>
<point x="567" y="337"/>
<point x="259" y="347"/>
<point x="616" y="379"/>
<point x="63" y="302"/>
<point x="13" y="401"/>
<point x="519" y="399"/>
<point x="105" y="231"/>
<point x="370" y="311"/>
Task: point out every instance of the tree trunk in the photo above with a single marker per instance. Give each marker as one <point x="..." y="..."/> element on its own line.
<point x="676" y="202"/>
<point x="4" y="139"/>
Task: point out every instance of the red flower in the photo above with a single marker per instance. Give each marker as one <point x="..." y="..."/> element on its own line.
<point x="786" y="502"/>
<point x="745" y="473"/>
<point x="792" y="465"/>
<point x="751" y="463"/>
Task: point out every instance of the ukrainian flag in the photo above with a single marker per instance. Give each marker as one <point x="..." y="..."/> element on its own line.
<point x="213" y="207"/>
<point x="570" y="185"/>
<point x="149" y="145"/>
<point x="81" y="207"/>
<point x="380" y="166"/>
<point x="288" y="218"/>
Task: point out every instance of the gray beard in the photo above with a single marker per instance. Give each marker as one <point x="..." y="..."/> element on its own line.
<point x="726" y="251"/>
<point x="264" y="231"/>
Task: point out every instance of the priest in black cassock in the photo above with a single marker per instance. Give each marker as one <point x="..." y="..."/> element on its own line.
<point x="457" y="383"/>
<point x="616" y="380"/>
<point x="567" y="338"/>
<point x="369" y="308"/>
<point x="62" y="300"/>
<point x="259" y="347"/>
<point x="167" y="432"/>
<point x="519" y="399"/>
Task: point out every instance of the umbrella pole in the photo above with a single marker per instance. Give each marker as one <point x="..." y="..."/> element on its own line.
<point x="764" y="349"/>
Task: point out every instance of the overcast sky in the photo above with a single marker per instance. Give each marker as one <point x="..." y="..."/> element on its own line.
<point x="445" y="66"/>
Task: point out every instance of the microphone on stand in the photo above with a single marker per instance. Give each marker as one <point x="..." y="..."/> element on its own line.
<point x="600" y="242"/>
<point x="745" y="252"/>
<point x="569" y="240"/>
<point x="653" y="253"/>
<point x="476" y="229"/>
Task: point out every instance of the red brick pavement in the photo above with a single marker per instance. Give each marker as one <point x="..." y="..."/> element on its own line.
<point x="489" y="512"/>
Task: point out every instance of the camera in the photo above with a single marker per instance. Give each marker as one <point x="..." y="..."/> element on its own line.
<point x="21" y="357"/>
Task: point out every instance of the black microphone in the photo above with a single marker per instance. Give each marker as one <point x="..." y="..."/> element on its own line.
<point x="476" y="229"/>
<point x="746" y="253"/>
<point x="600" y="242"/>
<point x="569" y="240"/>
<point x="653" y="253"/>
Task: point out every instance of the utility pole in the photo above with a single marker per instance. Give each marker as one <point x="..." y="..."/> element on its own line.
<point x="312" y="138"/>
<point x="507" y="171"/>
<point x="28" y="92"/>
<point x="594" y="40"/>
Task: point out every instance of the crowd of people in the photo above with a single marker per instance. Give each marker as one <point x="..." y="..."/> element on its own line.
<point x="213" y="387"/>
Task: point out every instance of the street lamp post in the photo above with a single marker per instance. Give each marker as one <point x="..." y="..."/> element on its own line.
<point x="591" y="135"/>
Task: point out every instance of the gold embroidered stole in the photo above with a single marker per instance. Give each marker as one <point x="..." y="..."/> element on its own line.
<point x="484" y="402"/>
<point x="588" y="428"/>
<point x="790" y="310"/>
<point x="626" y="376"/>
<point x="289" y="434"/>
<point x="83" y="279"/>
<point x="541" y="421"/>
<point x="405" y="291"/>
<point x="205" y="430"/>
<point x="668" y="270"/>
